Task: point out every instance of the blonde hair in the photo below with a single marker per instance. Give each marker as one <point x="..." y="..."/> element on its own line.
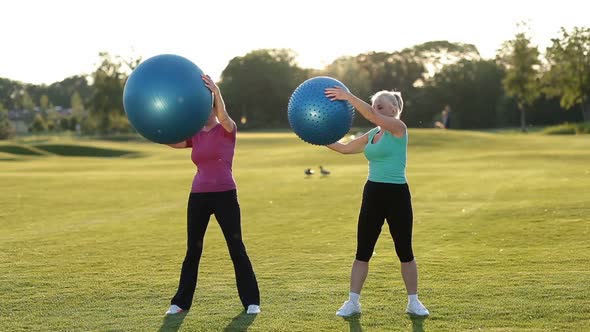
<point x="394" y="97"/>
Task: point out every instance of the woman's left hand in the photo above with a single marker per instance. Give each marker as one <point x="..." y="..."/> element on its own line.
<point x="336" y="93"/>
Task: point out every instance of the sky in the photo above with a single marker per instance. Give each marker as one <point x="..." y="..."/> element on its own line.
<point x="46" y="41"/>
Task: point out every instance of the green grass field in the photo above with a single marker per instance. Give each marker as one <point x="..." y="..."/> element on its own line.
<point x="96" y="243"/>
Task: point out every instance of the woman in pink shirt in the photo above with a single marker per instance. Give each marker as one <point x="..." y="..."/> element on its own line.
<point x="214" y="192"/>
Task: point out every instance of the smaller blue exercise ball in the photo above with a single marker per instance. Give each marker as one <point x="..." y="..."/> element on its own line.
<point x="166" y="100"/>
<point x="315" y="118"/>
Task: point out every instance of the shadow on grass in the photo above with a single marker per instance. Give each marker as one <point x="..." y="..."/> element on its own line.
<point x="122" y="138"/>
<point x="84" y="151"/>
<point x="19" y="150"/>
<point x="172" y="323"/>
<point x="417" y="322"/>
<point x="354" y="323"/>
<point x="240" y="323"/>
<point x="66" y="151"/>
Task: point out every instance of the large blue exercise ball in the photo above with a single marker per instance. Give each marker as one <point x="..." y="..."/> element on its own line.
<point x="166" y="100"/>
<point x="315" y="118"/>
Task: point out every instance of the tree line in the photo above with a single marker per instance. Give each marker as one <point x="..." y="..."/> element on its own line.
<point x="521" y="86"/>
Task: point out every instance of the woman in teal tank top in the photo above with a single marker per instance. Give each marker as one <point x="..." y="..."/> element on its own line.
<point x="386" y="195"/>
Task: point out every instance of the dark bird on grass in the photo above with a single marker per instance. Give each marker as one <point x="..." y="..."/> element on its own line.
<point x="309" y="171"/>
<point x="324" y="171"/>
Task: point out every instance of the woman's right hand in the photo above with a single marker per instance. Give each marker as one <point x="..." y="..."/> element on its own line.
<point x="210" y="84"/>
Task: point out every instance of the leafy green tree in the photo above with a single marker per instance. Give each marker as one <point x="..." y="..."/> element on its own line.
<point x="60" y="92"/>
<point x="522" y="81"/>
<point x="44" y="103"/>
<point x="78" y="112"/>
<point x="24" y="100"/>
<point x="367" y="73"/>
<point x="348" y="70"/>
<point x="569" y="69"/>
<point x="406" y="71"/>
<point x="49" y="113"/>
<point x="39" y="124"/>
<point x="388" y="71"/>
<point x="6" y="128"/>
<point x="257" y="87"/>
<point x="107" y="95"/>
<point x="472" y="89"/>
<point x="435" y="55"/>
<point x="8" y="93"/>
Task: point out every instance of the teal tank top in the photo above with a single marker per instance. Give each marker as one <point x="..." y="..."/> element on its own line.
<point x="387" y="157"/>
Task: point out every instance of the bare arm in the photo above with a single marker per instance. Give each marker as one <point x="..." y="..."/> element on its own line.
<point x="393" y="125"/>
<point x="357" y="145"/>
<point x="179" y="145"/>
<point x="219" y="105"/>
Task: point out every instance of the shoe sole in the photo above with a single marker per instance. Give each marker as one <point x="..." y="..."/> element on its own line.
<point x="174" y="313"/>
<point x="351" y="315"/>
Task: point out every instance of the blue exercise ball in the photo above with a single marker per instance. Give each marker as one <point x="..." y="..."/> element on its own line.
<point x="315" y="118"/>
<point x="166" y="100"/>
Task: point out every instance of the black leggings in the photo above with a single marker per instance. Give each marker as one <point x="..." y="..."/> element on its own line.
<point x="226" y="208"/>
<point x="391" y="202"/>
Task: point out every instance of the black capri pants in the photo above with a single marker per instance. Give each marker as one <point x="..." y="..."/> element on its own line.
<point x="391" y="202"/>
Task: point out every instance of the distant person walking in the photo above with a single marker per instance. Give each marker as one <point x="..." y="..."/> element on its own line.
<point x="445" y="122"/>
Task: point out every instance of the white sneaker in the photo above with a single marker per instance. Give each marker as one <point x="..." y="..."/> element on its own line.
<point x="253" y="309"/>
<point x="174" y="309"/>
<point x="349" y="308"/>
<point x="417" y="308"/>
